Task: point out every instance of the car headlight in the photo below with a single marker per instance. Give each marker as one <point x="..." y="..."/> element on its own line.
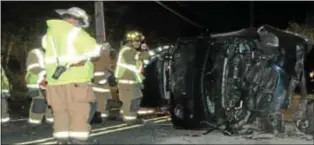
<point x="312" y="74"/>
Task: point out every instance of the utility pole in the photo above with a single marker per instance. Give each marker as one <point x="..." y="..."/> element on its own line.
<point x="100" y="22"/>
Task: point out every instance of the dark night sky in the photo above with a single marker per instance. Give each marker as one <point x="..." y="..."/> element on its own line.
<point x="149" y="16"/>
<point x="153" y="19"/>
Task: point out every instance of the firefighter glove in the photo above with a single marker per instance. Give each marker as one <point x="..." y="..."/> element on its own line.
<point x="112" y="81"/>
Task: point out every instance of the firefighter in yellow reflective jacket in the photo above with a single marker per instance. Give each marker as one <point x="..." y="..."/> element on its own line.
<point x="129" y="74"/>
<point x="4" y="94"/>
<point x="102" y="90"/>
<point x="69" y="52"/>
<point x="34" y="76"/>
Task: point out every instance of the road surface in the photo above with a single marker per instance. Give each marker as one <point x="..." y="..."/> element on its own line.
<point x="157" y="130"/>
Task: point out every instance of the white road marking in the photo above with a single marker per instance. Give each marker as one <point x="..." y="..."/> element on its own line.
<point x="107" y="129"/>
<point x="16" y="120"/>
<point x="115" y="130"/>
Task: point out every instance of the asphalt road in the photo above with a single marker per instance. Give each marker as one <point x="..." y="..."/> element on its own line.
<point x="154" y="131"/>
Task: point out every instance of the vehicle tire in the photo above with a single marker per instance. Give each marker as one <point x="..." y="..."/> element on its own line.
<point x="151" y="96"/>
<point x="186" y="107"/>
<point x="216" y="82"/>
<point x="207" y="87"/>
<point x="181" y="118"/>
<point x="213" y="83"/>
<point x="163" y="79"/>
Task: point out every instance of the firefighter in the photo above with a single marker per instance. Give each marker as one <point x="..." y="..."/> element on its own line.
<point x="4" y="95"/>
<point x="35" y="77"/>
<point x="129" y="75"/>
<point x="69" y="52"/>
<point x="102" y="90"/>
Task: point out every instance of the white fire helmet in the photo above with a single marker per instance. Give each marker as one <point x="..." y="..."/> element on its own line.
<point x="76" y="12"/>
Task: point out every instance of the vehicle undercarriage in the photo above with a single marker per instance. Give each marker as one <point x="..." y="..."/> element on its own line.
<point x="238" y="82"/>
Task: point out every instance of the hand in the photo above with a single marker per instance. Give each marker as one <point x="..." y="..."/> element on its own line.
<point x="144" y="47"/>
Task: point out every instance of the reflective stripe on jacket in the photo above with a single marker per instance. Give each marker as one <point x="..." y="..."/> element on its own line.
<point x="66" y="44"/>
<point x="35" y="68"/>
<point x="101" y="69"/>
<point x="130" y="61"/>
<point x="128" y="68"/>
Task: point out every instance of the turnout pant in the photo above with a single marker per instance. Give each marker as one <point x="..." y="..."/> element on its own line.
<point x="71" y="109"/>
<point x="106" y="101"/>
<point x="39" y="108"/>
<point x="4" y="110"/>
<point x="130" y="95"/>
<point x="102" y="94"/>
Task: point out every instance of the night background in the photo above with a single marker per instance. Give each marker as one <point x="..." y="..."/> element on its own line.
<point x="23" y="23"/>
<point x="156" y="21"/>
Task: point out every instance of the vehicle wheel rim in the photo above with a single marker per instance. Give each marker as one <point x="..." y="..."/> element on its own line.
<point x="165" y="81"/>
<point x="209" y="104"/>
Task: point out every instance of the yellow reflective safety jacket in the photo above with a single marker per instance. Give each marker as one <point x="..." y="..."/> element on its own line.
<point x="130" y="64"/>
<point x="67" y="44"/>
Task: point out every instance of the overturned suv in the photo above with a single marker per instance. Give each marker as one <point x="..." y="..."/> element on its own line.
<point x="229" y="81"/>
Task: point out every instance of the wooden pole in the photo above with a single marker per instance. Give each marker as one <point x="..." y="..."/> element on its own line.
<point x="100" y="22"/>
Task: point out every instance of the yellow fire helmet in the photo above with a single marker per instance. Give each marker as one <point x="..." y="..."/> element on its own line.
<point x="134" y="36"/>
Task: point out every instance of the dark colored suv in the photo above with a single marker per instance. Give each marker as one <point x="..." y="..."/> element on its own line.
<point x="229" y="79"/>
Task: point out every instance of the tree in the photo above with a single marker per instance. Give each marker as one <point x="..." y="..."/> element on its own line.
<point x="304" y="29"/>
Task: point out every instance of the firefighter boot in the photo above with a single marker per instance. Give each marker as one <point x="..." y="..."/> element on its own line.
<point x="114" y="114"/>
<point x="114" y="107"/>
<point x="96" y="118"/>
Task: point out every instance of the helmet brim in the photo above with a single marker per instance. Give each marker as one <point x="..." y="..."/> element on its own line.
<point x="61" y="11"/>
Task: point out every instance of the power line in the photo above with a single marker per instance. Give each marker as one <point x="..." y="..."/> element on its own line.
<point x="182" y="17"/>
<point x="189" y="9"/>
